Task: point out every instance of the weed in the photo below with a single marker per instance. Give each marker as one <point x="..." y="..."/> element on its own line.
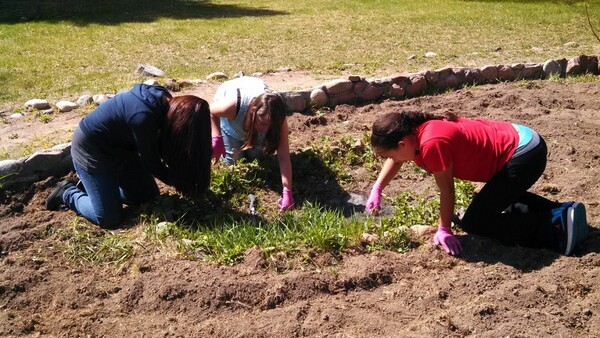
<point x="86" y="243"/>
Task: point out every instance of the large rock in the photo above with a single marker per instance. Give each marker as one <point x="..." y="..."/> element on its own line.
<point x="418" y="85"/>
<point x="551" y="68"/>
<point x="42" y="164"/>
<point x="531" y="71"/>
<point x="318" y="98"/>
<point x="371" y="93"/>
<point x="295" y="101"/>
<point x="489" y="73"/>
<point x="337" y="86"/>
<point x="506" y="73"/>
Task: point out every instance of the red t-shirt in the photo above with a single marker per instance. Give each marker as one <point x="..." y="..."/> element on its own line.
<point x="478" y="149"/>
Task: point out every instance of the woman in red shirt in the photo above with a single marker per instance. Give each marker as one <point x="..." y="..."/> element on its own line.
<point x="508" y="157"/>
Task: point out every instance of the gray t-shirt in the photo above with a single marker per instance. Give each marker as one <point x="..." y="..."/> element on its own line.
<point x="245" y="89"/>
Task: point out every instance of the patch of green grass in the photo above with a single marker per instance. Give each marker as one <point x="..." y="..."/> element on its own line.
<point x="346" y="152"/>
<point x="97" y="45"/>
<point x="312" y="228"/>
<point x="218" y="228"/>
<point x="31" y="146"/>
<point x="86" y="243"/>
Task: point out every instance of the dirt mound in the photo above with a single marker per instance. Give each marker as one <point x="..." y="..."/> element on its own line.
<point x="491" y="291"/>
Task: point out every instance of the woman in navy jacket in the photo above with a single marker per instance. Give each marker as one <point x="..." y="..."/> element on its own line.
<point x="120" y="147"/>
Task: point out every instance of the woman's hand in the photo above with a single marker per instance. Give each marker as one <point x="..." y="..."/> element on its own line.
<point x="447" y="240"/>
<point x="286" y="201"/>
<point x="218" y="148"/>
<point x="374" y="202"/>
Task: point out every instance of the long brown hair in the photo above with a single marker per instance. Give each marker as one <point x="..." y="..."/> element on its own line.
<point x="268" y="105"/>
<point x="186" y="146"/>
<point x="390" y="128"/>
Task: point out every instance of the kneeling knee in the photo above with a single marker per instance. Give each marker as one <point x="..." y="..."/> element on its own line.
<point x="108" y="222"/>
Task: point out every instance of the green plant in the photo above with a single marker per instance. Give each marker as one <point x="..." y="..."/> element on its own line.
<point x="86" y="243"/>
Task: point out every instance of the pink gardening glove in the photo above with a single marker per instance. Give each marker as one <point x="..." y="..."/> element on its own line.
<point x="374" y="201"/>
<point x="286" y="201"/>
<point x="218" y="148"/>
<point x="446" y="239"/>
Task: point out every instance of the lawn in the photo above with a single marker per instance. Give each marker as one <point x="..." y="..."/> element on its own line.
<point x="54" y="49"/>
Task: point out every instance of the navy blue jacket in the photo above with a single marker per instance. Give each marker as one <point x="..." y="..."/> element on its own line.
<point x="125" y="126"/>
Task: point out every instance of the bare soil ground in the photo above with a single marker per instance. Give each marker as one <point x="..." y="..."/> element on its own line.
<point x="491" y="291"/>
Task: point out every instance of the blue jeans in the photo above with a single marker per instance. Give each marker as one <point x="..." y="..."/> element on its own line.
<point x="233" y="150"/>
<point x="106" y="192"/>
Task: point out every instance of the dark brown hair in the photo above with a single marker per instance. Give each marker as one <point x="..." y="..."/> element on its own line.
<point x="270" y="104"/>
<point x="390" y="128"/>
<point x="186" y="146"/>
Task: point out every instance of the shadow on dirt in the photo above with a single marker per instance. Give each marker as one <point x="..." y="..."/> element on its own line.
<point x="114" y="12"/>
<point x="489" y="251"/>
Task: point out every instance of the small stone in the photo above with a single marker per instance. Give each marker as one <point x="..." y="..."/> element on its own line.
<point x="85" y="99"/>
<point x="430" y="55"/>
<point x="162" y="227"/>
<point x="282" y="70"/>
<point x="172" y="85"/>
<point x="37" y="104"/>
<point x="99" y="99"/>
<point x="66" y="106"/>
<point x="48" y="111"/>
<point x="551" y="68"/>
<point x="369" y="239"/>
<point x="148" y="70"/>
<point x="411" y="57"/>
<point x="217" y="76"/>
<point x="358" y="146"/>
<point x="151" y="82"/>
<point x="571" y="44"/>
<point x="185" y="83"/>
<point x="16" y="116"/>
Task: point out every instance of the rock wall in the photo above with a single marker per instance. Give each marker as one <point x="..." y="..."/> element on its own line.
<point x="354" y="89"/>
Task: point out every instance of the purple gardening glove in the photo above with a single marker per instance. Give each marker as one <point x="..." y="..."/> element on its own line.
<point x="446" y="239"/>
<point x="218" y="148"/>
<point x="286" y="201"/>
<point x="374" y="201"/>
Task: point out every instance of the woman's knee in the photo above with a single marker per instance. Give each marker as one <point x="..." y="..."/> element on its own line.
<point x="108" y="220"/>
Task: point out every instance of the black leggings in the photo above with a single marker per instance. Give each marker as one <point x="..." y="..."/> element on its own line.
<point x="506" y="211"/>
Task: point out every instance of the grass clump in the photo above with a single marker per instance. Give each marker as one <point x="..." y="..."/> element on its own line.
<point x="219" y="229"/>
<point x="86" y="243"/>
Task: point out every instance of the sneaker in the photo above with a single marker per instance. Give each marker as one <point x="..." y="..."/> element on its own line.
<point x="55" y="198"/>
<point x="571" y="222"/>
<point x="577" y="220"/>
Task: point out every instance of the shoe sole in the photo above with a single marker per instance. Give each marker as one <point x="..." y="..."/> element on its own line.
<point x="576" y="226"/>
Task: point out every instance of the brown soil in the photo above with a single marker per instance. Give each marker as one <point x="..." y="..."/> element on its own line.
<point x="491" y="291"/>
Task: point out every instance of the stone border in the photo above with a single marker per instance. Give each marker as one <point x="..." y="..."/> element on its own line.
<point x="354" y="89"/>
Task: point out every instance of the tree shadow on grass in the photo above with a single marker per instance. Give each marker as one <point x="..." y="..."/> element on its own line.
<point x="114" y="12"/>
